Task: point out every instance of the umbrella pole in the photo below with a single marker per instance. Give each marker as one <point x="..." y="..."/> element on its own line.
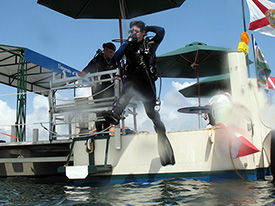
<point x="120" y="28"/>
<point x="196" y="66"/>
<point x="120" y="22"/>
<point x="199" y="87"/>
<point x="199" y="95"/>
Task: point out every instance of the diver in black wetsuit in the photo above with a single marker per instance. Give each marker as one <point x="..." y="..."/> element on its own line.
<point x="102" y="61"/>
<point x="140" y="76"/>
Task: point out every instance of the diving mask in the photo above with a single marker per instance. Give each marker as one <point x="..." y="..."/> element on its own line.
<point x="132" y="35"/>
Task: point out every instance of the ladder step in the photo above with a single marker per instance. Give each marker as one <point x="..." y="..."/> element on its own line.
<point x="92" y="169"/>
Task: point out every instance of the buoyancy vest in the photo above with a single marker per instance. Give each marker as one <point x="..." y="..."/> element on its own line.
<point x="140" y="57"/>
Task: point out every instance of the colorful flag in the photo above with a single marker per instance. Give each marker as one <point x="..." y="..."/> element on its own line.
<point x="262" y="16"/>
<point x="240" y="146"/>
<point x="262" y="68"/>
<point x="271" y="82"/>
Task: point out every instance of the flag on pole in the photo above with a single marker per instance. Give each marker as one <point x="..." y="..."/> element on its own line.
<point x="271" y="82"/>
<point x="262" y="16"/>
<point x="240" y="146"/>
<point x="262" y="68"/>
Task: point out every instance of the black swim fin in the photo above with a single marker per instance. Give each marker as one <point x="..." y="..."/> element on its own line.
<point x="165" y="150"/>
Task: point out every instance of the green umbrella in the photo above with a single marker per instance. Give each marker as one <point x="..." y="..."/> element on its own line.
<point x="208" y="86"/>
<point x="109" y="9"/>
<point x="193" y="61"/>
<point x="183" y="62"/>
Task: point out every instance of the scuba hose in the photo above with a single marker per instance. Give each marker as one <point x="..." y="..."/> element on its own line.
<point x="158" y="102"/>
<point x="146" y="51"/>
<point x="142" y="63"/>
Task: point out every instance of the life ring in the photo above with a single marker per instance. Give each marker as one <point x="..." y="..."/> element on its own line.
<point x="90" y="146"/>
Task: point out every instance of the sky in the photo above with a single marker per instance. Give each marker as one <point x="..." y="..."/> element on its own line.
<point x="74" y="42"/>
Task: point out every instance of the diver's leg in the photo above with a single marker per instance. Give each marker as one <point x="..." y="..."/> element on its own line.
<point x="164" y="147"/>
<point x="127" y="94"/>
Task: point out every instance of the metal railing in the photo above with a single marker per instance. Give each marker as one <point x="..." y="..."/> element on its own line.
<point x="79" y="113"/>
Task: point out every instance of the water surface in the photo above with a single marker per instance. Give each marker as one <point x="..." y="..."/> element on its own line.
<point x="25" y="191"/>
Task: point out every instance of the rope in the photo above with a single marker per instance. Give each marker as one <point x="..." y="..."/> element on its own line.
<point x="103" y="90"/>
<point x="269" y="163"/>
<point x="230" y="153"/>
<point x="48" y="129"/>
<point x="71" y="100"/>
<point x="25" y="124"/>
<point x="15" y="94"/>
<point x="259" y="109"/>
<point x="236" y="170"/>
<point x="9" y="135"/>
<point x="74" y="135"/>
<point x="42" y="91"/>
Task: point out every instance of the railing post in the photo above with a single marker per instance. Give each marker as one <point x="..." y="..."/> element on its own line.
<point x="117" y="127"/>
<point x="35" y="133"/>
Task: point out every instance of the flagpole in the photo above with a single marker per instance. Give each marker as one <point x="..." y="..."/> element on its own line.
<point x="253" y="46"/>
<point x="244" y="28"/>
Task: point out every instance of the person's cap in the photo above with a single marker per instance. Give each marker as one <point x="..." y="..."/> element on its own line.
<point x="109" y="45"/>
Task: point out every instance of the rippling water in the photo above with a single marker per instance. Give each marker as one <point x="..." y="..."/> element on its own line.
<point x="24" y="191"/>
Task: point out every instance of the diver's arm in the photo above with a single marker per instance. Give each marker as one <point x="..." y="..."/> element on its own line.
<point x="159" y="31"/>
<point x="93" y="65"/>
<point x="121" y="51"/>
<point x="90" y="68"/>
